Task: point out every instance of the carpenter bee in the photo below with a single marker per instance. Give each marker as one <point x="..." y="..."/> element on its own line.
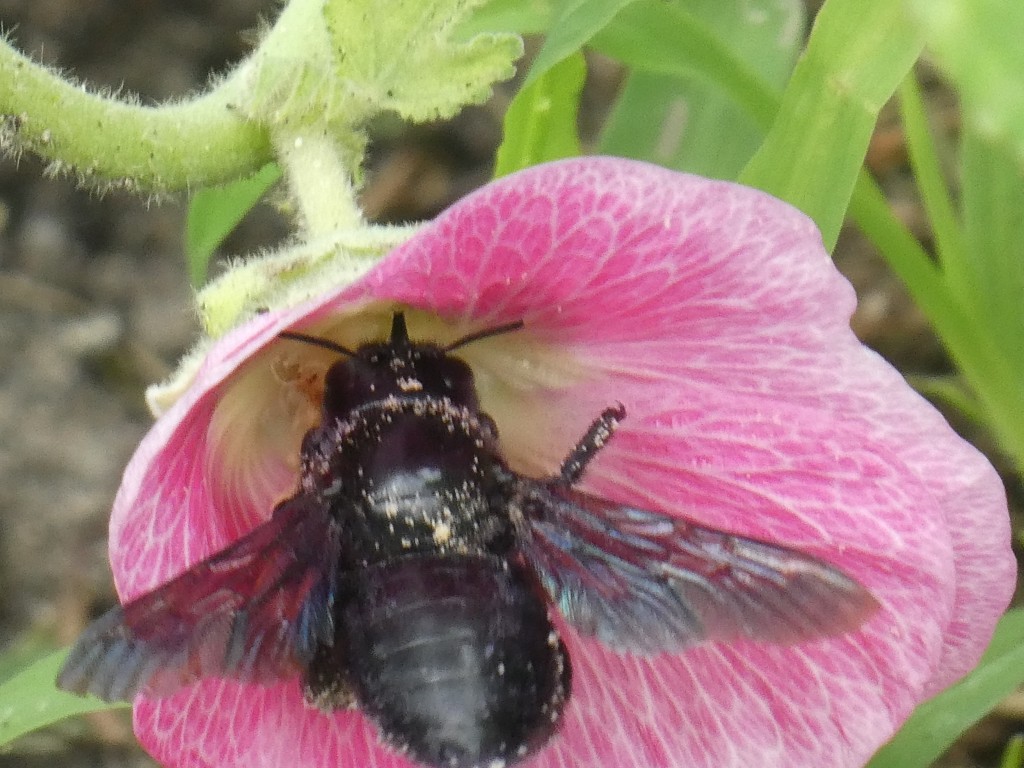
<point x="414" y="575"/>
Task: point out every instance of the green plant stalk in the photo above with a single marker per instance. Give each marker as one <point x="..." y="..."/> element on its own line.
<point x="997" y="386"/>
<point x="320" y="178"/>
<point x="573" y="25"/>
<point x="983" y="366"/>
<point x="316" y="135"/>
<point x="924" y="159"/>
<point x="657" y="30"/>
<point x="270" y="103"/>
<point x="991" y="201"/>
<point x="29" y="700"/>
<point x="1013" y="755"/>
<point x="936" y="723"/>
<point x="977" y="43"/>
<point x="951" y="389"/>
<point x="540" y="123"/>
<point x="858" y="52"/>
<point x="107" y="142"/>
<point x="692" y="123"/>
<point x="319" y="73"/>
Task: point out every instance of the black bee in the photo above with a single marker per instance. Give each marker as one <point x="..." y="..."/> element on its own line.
<point x="412" y="575"/>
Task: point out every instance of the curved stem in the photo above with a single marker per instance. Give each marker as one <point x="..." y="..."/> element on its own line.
<point x="315" y="131"/>
<point x="105" y="141"/>
<point x="320" y="177"/>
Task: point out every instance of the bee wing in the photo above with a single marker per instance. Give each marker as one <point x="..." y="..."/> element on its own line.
<point x="255" y="612"/>
<point x="648" y="583"/>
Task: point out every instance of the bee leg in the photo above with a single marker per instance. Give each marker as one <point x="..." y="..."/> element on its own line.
<point x="593" y="440"/>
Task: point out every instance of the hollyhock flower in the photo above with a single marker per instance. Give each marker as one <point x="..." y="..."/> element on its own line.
<point x="712" y="312"/>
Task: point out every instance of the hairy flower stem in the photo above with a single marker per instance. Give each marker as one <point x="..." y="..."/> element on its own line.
<point x="320" y="180"/>
<point x="274" y="100"/>
<point x="110" y="142"/>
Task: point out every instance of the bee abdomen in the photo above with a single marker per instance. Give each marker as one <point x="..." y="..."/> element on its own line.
<point x="455" y="659"/>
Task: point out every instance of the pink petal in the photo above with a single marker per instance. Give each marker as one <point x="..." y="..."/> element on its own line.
<point x="713" y="313"/>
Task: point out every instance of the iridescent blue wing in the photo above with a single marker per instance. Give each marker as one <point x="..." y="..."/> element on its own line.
<point x="648" y="583"/>
<point x="255" y="611"/>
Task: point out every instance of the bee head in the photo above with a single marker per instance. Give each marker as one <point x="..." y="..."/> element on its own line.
<point x="399" y="367"/>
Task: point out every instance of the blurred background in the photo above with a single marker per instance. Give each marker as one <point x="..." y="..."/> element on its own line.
<point x="95" y="304"/>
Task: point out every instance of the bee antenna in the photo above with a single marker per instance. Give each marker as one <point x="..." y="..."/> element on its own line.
<point x="486" y="333"/>
<point x="316" y="341"/>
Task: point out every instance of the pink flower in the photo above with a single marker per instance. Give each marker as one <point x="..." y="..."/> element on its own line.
<point x="714" y="314"/>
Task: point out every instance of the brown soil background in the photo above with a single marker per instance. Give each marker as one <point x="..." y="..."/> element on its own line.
<point x="95" y="304"/>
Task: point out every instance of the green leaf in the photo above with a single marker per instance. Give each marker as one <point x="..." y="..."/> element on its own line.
<point x="650" y="36"/>
<point x="952" y="390"/>
<point x="524" y="17"/>
<point x="29" y="699"/>
<point x="978" y="42"/>
<point x="22" y="652"/>
<point x="215" y="211"/>
<point x="993" y="213"/>
<point x="858" y="51"/>
<point x="540" y="123"/>
<point x="991" y="279"/>
<point x="978" y="355"/>
<point x="1013" y="756"/>
<point x="407" y="57"/>
<point x="692" y="123"/>
<point x="575" y="22"/>
<point x="938" y="204"/>
<point x="935" y="725"/>
<point x="982" y="261"/>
